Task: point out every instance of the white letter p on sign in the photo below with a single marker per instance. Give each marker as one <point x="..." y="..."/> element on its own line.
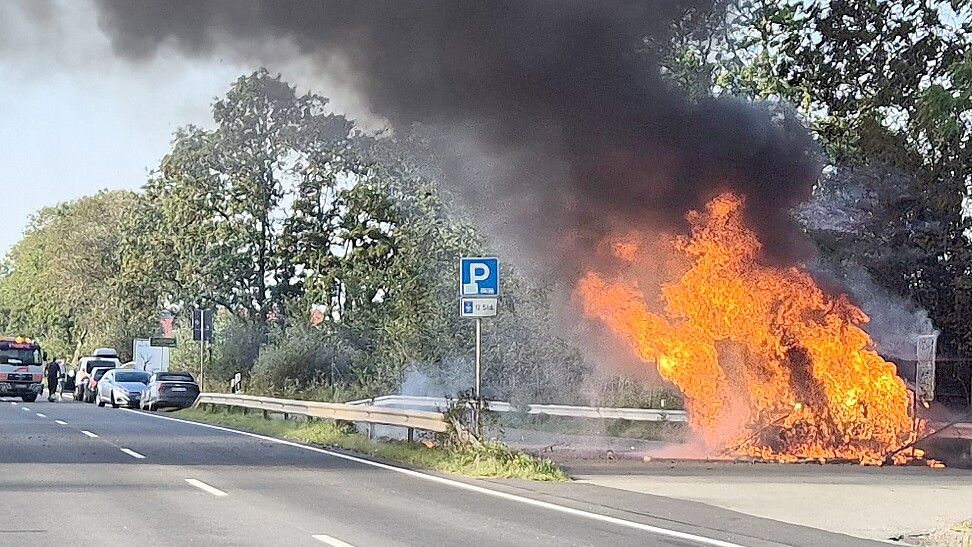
<point x="477" y="273"/>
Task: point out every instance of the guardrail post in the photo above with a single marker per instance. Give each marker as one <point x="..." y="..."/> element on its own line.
<point x="371" y="431"/>
<point x="411" y="435"/>
<point x="286" y="416"/>
<point x="266" y="415"/>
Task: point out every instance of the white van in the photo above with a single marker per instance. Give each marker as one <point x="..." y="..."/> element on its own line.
<point x="101" y="358"/>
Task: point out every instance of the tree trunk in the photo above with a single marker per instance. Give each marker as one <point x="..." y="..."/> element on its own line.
<point x="82" y="336"/>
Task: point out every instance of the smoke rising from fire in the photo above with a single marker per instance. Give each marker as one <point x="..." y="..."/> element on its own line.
<point x="854" y="200"/>
<point x="560" y="124"/>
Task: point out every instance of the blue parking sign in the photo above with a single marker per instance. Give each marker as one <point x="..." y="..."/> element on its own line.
<point x="479" y="276"/>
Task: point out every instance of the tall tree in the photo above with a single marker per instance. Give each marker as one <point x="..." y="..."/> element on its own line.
<point x="61" y="281"/>
<point x="222" y="197"/>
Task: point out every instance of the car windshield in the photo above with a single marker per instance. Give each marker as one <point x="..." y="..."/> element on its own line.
<point x="97" y="363"/>
<point x="176" y="377"/>
<point x="131" y="376"/>
<point x="10" y="355"/>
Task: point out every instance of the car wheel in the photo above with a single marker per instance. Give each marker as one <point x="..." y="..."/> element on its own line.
<point x="99" y="401"/>
<point x="29" y="398"/>
<point x="113" y="403"/>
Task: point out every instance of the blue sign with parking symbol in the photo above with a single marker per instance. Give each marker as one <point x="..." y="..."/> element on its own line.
<point x="479" y="276"/>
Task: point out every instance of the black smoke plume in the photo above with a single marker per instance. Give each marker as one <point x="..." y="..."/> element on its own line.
<point x="560" y="124"/>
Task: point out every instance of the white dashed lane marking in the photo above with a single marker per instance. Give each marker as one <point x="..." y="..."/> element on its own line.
<point x="133" y="454"/>
<point x="205" y="487"/>
<point x="333" y="541"/>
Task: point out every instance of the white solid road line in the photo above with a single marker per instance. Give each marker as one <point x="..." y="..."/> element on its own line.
<point x="133" y="454"/>
<point x="61" y="422"/>
<point x="205" y="487"/>
<point x="657" y="530"/>
<point x="88" y="433"/>
<point x="335" y="542"/>
<point x="39" y="415"/>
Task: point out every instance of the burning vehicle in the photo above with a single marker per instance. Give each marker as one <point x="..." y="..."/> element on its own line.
<point x="771" y="366"/>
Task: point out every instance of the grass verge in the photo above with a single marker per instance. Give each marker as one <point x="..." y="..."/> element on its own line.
<point x="647" y="431"/>
<point x="492" y="460"/>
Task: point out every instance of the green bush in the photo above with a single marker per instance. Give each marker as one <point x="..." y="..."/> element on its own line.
<point x="302" y="357"/>
<point x="236" y="349"/>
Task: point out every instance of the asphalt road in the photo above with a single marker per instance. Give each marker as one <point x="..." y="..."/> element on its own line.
<point x="869" y="502"/>
<point x="73" y="473"/>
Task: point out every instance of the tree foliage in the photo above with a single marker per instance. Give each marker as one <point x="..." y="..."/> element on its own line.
<point x="60" y="282"/>
<point x="219" y="201"/>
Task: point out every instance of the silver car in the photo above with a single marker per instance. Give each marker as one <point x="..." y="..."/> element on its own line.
<point x="121" y="387"/>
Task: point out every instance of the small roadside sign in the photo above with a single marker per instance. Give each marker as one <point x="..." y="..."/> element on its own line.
<point x="478" y="307"/>
<point x="160" y="342"/>
<point x="479" y="277"/>
<point x="479" y="287"/>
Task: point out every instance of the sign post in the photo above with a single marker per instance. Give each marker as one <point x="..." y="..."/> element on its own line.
<point x="479" y="354"/>
<point x="202" y="331"/>
<point x="925" y="367"/>
<point x="479" y="290"/>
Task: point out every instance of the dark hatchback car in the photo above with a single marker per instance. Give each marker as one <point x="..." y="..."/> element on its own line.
<point x="169" y="390"/>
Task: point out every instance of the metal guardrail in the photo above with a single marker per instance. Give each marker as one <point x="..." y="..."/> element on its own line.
<point x="440" y="403"/>
<point x="411" y="419"/>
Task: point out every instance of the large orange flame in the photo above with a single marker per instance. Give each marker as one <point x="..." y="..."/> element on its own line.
<point x="770" y="366"/>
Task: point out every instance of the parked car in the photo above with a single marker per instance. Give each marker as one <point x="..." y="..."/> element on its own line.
<point x="170" y="390"/>
<point x="90" y="387"/>
<point x="121" y="387"/>
<point x="103" y="358"/>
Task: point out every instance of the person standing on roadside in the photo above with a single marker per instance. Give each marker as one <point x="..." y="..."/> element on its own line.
<point x="53" y="375"/>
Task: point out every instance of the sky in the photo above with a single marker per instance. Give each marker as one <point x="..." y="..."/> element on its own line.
<point x="76" y="119"/>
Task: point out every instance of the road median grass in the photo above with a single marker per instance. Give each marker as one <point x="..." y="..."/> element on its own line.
<point x="491" y="460"/>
